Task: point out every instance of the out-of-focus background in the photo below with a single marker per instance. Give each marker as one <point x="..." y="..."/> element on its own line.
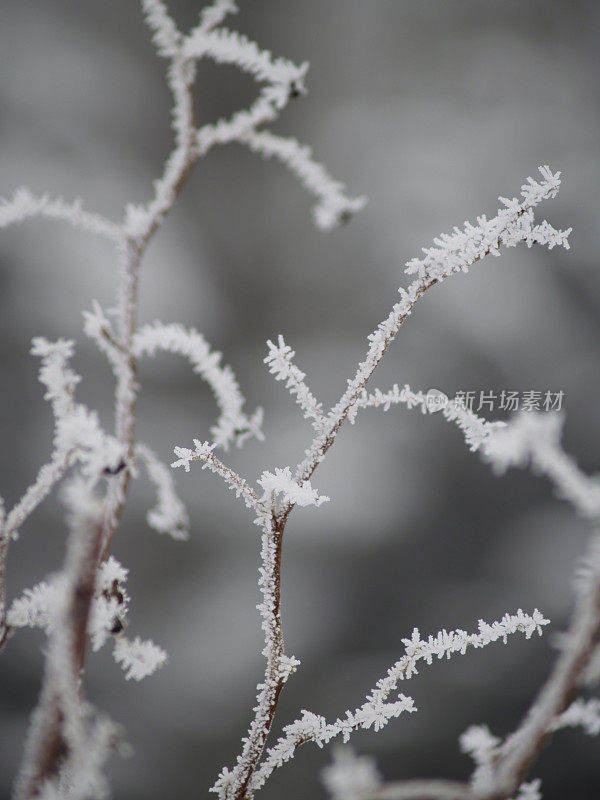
<point x="431" y="109"/>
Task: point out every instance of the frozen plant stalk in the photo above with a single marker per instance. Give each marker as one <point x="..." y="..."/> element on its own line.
<point x="285" y="488"/>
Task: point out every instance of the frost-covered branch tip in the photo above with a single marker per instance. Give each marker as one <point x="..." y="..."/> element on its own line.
<point x="214" y="14"/>
<point x="233" y="424"/>
<point x="203" y="451"/>
<point x="333" y="205"/>
<point x="169" y="515"/>
<point x="138" y="658"/>
<point x="282" y="367"/>
<point x="529" y="438"/>
<point x="513" y="224"/>
<point x="166" y="37"/>
<point x="584" y="714"/>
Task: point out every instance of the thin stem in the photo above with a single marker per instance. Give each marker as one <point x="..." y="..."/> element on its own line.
<point x="166" y="192"/>
<point x="49" y="746"/>
<point x="339" y="412"/>
<point x="275" y="676"/>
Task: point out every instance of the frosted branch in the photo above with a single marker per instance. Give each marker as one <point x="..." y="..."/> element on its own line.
<point x="476" y="430"/>
<point x="166" y="38"/>
<point x="61" y="731"/>
<point x="534" y="438"/>
<point x="78" y="439"/>
<point x="376" y="712"/>
<point x="501" y="767"/>
<point x="98" y="327"/>
<point x="24" y="205"/>
<point x="479" y="743"/>
<point x="452" y="253"/>
<point x="213" y="15"/>
<point x="283" y="79"/>
<point x="513" y="224"/>
<point x="140" y="222"/>
<point x="333" y="204"/>
<point x="60" y="381"/>
<point x="169" y="515"/>
<point x="281" y="366"/>
<point x="107" y="614"/>
<point x="78" y="436"/>
<point x="203" y="451"/>
<point x="232" y="784"/>
<point x="229" y="47"/>
<point x="138" y="658"/>
<point x="515" y="756"/>
<point x="139" y="225"/>
<point x="67" y="746"/>
<point x="233" y="425"/>
<point x="47" y="478"/>
<point x="584" y="714"/>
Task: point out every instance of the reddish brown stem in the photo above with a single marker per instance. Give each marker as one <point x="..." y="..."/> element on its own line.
<point x="273" y="667"/>
<point x="48" y="747"/>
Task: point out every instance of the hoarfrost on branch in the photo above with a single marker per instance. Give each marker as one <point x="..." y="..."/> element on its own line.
<point x="68" y="741"/>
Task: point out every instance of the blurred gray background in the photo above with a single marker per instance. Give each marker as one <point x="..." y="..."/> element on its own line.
<point x="431" y="109"/>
